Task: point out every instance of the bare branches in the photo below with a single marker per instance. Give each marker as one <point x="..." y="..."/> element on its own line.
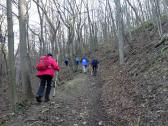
<point x="12" y="12"/>
<point x="135" y="11"/>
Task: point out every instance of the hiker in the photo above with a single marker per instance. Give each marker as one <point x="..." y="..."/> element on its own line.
<point x="94" y="65"/>
<point x="85" y="63"/>
<point x="77" y="62"/>
<point x="66" y="62"/>
<point x="46" y="71"/>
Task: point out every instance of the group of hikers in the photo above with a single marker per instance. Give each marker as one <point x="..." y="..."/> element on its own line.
<point x="85" y="64"/>
<point x="46" y="68"/>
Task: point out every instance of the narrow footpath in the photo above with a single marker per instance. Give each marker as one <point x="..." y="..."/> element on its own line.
<point x="77" y="103"/>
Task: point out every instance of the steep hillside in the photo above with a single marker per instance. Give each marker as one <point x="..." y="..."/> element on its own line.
<point x="137" y="92"/>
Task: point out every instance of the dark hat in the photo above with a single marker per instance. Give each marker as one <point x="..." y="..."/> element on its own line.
<point x="49" y="54"/>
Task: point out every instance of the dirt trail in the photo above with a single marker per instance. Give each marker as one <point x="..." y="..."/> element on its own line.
<point x="77" y="103"/>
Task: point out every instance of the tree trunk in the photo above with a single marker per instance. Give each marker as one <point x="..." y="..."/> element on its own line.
<point x="11" y="59"/>
<point x="23" y="50"/>
<point x="158" y="17"/>
<point x="142" y="12"/>
<point x="120" y="31"/>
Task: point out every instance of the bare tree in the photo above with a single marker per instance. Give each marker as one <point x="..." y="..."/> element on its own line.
<point x="11" y="54"/>
<point x="120" y="31"/>
<point x="135" y="11"/>
<point x="23" y="49"/>
<point x="157" y="16"/>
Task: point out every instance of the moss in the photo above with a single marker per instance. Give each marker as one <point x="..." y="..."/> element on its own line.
<point x="164" y="17"/>
<point x="146" y="25"/>
<point x="20" y="107"/>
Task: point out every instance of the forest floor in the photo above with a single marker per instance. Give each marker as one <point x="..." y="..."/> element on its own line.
<point x="136" y="93"/>
<point x="77" y="103"/>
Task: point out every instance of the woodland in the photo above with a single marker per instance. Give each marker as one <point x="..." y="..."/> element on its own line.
<point x="128" y="37"/>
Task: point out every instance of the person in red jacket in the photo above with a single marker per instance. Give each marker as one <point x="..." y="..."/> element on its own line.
<point x="46" y="76"/>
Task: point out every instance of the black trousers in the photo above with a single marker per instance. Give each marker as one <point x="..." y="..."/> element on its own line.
<point x="94" y="68"/>
<point x="43" y="80"/>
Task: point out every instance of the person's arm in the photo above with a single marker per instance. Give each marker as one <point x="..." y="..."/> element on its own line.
<point x="55" y="65"/>
<point x="87" y="60"/>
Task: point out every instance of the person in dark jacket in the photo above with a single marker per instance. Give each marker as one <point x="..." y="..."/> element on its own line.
<point x="94" y="65"/>
<point x="77" y="62"/>
<point x="46" y="76"/>
<point x="66" y="62"/>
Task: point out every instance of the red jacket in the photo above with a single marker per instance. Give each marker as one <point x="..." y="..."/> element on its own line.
<point x="51" y="70"/>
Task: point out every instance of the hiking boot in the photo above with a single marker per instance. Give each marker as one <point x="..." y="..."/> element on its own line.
<point x="47" y="100"/>
<point x="38" y="99"/>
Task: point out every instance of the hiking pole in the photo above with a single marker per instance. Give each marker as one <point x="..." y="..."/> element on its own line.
<point x="54" y="87"/>
<point x="55" y="81"/>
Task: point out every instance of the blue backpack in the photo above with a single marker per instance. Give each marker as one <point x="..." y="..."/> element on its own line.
<point x="84" y="61"/>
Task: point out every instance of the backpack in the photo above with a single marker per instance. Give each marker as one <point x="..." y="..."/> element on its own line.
<point x="43" y="63"/>
<point x="95" y="62"/>
<point x="77" y="60"/>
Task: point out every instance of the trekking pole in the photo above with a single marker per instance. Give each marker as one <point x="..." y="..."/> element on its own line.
<point x="54" y="87"/>
<point x="55" y="84"/>
<point x="55" y="80"/>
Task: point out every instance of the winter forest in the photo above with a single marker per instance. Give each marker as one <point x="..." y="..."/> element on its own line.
<point x="129" y="38"/>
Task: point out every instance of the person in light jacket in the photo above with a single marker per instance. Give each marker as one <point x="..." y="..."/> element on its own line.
<point x="85" y="63"/>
